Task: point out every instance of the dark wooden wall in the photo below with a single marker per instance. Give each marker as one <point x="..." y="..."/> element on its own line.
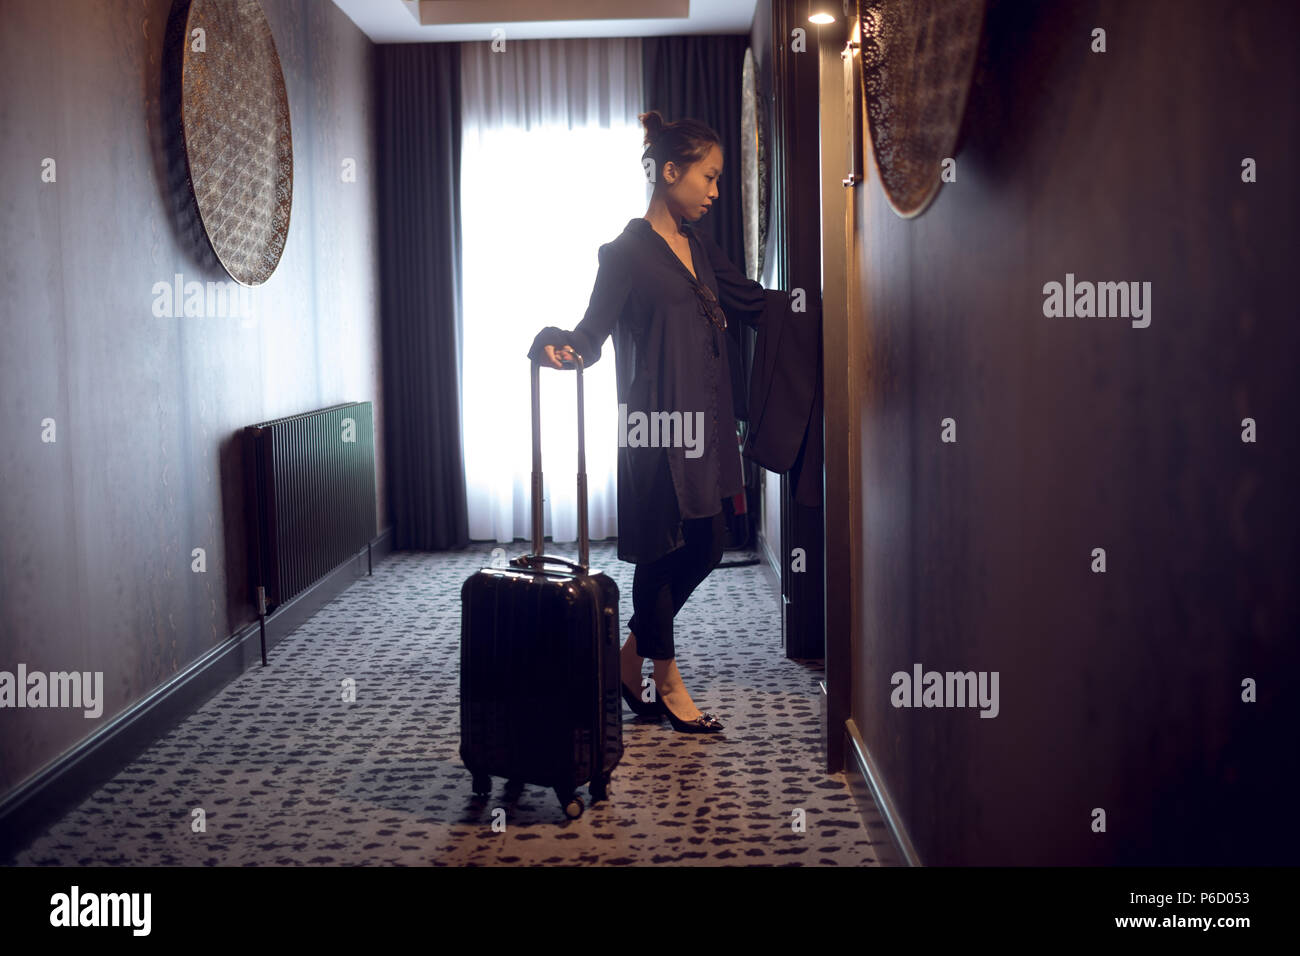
<point x="98" y="527"/>
<point x="1120" y="690"/>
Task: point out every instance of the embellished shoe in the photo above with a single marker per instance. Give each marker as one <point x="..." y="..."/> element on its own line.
<point x="706" y="723"/>
<point x="641" y="708"/>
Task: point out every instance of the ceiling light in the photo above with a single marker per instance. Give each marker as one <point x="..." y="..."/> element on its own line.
<point x="821" y="12"/>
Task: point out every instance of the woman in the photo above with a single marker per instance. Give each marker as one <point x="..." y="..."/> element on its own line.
<point x="665" y="292"/>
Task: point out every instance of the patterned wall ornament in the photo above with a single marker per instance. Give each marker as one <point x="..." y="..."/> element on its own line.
<point x="238" y="141"/>
<point x="918" y="57"/>
<point x="753" y="167"/>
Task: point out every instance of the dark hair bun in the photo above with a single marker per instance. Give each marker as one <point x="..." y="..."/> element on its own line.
<point x="654" y="125"/>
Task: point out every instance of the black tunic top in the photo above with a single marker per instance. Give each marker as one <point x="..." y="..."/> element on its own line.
<point x="670" y="357"/>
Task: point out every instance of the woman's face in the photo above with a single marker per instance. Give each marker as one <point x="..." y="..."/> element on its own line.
<point x="691" y="195"/>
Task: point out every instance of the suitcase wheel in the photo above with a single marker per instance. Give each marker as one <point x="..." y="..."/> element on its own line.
<point x="482" y="784"/>
<point x="573" y="805"/>
<point x="599" y="788"/>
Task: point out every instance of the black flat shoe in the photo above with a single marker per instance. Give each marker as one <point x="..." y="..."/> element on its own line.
<point x="640" y="707"/>
<point x="706" y="723"/>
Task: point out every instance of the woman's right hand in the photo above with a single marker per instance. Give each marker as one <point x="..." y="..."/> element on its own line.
<point x="558" y="355"/>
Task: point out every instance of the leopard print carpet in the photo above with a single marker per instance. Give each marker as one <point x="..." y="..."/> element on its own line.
<point x="277" y="769"/>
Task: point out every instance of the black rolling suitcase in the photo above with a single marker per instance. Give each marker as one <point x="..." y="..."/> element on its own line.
<point x="539" y="661"/>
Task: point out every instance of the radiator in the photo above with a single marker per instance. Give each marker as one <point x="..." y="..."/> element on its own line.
<point x="313" y="478"/>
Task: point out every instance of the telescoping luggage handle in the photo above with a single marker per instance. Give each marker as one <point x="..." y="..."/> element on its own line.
<point x="537" y="559"/>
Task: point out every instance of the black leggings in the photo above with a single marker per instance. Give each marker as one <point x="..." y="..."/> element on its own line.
<point x="661" y="587"/>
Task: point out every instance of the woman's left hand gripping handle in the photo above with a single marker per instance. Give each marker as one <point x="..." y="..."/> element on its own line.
<point x="560" y="355"/>
<point x="551" y="347"/>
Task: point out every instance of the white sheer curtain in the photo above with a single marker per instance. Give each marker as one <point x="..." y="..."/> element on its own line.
<point x="551" y="169"/>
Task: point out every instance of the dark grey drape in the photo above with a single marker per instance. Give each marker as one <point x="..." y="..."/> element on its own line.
<point x="699" y="77"/>
<point x="418" y="139"/>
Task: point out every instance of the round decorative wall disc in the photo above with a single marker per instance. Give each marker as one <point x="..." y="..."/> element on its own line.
<point x="238" y="142"/>
<point x="918" y="57"/>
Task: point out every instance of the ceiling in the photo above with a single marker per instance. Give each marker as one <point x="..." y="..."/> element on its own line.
<point x="398" y="21"/>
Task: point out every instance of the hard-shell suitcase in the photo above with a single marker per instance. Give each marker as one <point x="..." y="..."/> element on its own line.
<point x="540" y="699"/>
